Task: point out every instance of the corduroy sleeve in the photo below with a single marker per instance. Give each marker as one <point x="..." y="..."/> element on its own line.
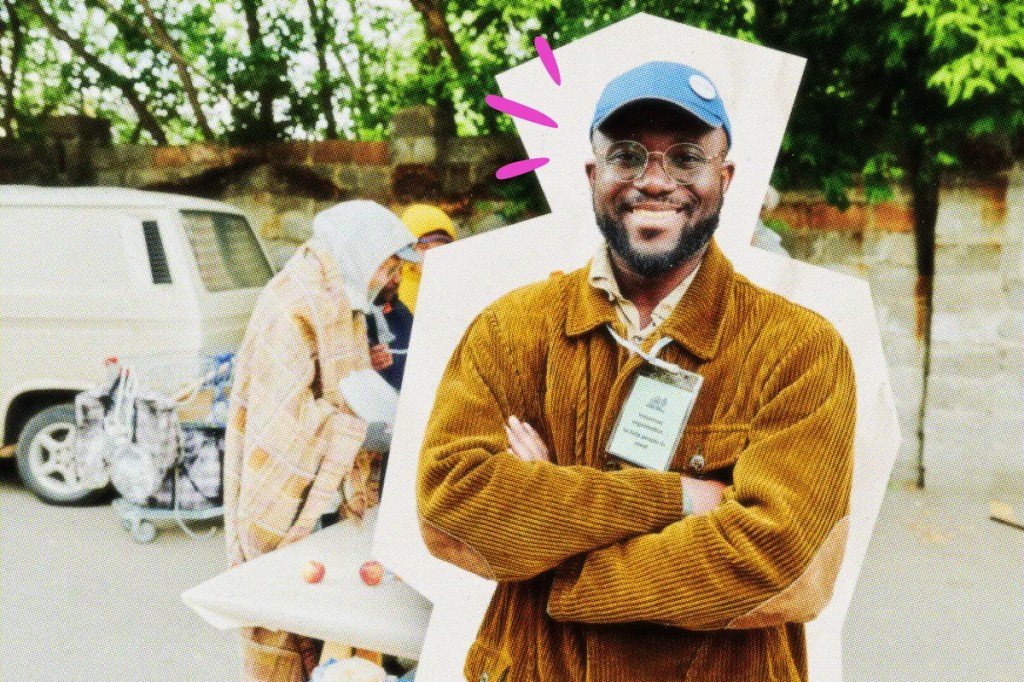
<point x="770" y="552"/>
<point x="520" y="518"/>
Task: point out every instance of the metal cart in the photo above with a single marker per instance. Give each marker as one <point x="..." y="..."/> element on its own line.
<point x="199" y="399"/>
<point x="140" y="521"/>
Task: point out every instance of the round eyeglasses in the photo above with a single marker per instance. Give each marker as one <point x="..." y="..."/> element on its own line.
<point x="684" y="162"/>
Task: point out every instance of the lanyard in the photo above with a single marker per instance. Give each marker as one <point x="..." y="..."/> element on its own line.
<point x="652" y="357"/>
<point x="655" y="412"/>
<point x="384" y="334"/>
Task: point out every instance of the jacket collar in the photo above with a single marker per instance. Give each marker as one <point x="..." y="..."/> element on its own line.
<point x="695" y="323"/>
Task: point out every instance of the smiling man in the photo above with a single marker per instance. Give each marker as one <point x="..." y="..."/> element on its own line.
<point x="651" y="455"/>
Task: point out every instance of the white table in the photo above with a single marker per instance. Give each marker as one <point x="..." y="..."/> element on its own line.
<point x="269" y="592"/>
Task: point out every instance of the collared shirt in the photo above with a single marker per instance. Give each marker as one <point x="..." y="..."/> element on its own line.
<point x="602" y="276"/>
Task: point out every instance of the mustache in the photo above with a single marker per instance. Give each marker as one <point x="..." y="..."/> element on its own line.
<point x="630" y="203"/>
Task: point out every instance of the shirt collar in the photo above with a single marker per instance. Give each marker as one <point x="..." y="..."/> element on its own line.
<point x="696" y="321"/>
<point x="602" y="276"/>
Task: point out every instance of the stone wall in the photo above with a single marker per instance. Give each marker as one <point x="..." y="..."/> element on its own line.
<point x="975" y="416"/>
<point x="976" y="208"/>
<point x="281" y="186"/>
<point x="974" y="422"/>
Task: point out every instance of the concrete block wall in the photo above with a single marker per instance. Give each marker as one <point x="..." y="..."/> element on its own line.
<point x="974" y="424"/>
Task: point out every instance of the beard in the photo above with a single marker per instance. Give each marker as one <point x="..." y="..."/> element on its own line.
<point x="644" y="264"/>
<point x="384" y="296"/>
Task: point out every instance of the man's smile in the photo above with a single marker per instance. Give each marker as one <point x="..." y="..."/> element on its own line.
<point x="653" y="221"/>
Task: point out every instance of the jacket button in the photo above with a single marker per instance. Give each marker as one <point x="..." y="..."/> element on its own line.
<point x="697" y="463"/>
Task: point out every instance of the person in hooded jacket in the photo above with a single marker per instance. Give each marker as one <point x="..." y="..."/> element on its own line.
<point x="294" y="447"/>
<point x="390" y="334"/>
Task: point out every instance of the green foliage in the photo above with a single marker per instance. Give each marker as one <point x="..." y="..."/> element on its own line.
<point x="980" y="45"/>
<point x="893" y="88"/>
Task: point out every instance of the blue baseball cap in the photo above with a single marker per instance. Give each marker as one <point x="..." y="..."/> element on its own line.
<point x="678" y="84"/>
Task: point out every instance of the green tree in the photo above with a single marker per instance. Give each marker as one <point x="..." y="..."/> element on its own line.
<point x="12" y="49"/>
<point x="894" y="92"/>
<point x="98" y="71"/>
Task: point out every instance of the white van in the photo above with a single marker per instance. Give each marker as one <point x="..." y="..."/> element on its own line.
<point x="92" y="273"/>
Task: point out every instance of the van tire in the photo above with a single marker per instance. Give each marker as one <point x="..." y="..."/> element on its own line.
<point x="46" y="460"/>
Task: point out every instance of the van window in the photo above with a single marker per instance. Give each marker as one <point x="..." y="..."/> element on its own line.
<point x="158" y="267"/>
<point x="226" y="250"/>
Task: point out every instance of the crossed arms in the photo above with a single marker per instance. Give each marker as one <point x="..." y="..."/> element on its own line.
<point x="618" y="543"/>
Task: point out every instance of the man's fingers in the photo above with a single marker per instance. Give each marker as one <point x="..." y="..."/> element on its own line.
<point x="705" y="495"/>
<point x="529" y="438"/>
<point x="380" y="357"/>
<point x="540" y="449"/>
<point x="525" y="442"/>
<point x="519" y="449"/>
<point x="524" y="437"/>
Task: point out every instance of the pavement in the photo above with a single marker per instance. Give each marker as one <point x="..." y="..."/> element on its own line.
<point x="941" y="593"/>
<point x="940" y="597"/>
<point x="81" y="602"/>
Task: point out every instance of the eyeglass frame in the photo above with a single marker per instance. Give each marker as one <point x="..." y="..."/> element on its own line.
<point x="705" y="160"/>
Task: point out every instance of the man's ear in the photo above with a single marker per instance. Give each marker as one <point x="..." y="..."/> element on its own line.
<point x="591" y="168"/>
<point x="728" y="170"/>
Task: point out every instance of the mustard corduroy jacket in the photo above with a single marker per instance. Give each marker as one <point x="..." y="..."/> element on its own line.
<point x="600" y="578"/>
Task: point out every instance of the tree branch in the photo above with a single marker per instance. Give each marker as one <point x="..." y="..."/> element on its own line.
<point x="11" y="78"/>
<point x="437" y="27"/>
<point x="325" y="90"/>
<point x="146" y="118"/>
<point x="161" y="38"/>
<point x="261" y="59"/>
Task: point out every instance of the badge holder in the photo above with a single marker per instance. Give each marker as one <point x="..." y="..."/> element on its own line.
<point x="654" y="415"/>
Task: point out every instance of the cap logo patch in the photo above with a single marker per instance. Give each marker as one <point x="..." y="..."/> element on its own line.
<point x="704" y="88"/>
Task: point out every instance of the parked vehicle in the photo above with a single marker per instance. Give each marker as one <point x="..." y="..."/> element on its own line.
<point x="91" y="273"/>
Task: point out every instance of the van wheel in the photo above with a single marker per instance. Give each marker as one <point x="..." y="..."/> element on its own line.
<point x="46" y="458"/>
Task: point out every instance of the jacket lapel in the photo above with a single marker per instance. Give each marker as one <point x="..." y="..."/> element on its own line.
<point x="696" y="322"/>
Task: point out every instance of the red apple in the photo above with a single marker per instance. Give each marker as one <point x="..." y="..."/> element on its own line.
<point x="372" y="573"/>
<point x="313" y="572"/>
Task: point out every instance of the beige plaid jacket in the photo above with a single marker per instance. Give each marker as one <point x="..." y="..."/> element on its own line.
<point x="291" y="439"/>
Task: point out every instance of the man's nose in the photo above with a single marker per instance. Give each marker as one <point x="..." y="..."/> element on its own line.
<point x="654" y="179"/>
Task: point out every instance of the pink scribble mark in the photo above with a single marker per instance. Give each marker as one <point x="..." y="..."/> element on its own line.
<point x="513" y="108"/>
<point x="516" y="168"/>
<point x="519" y="110"/>
<point x="547" y="58"/>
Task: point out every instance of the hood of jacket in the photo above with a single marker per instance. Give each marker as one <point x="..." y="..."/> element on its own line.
<point x="360" y="235"/>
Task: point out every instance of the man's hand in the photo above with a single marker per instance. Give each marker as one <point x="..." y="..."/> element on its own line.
<point x="380" y="357"/>
<point x="704" y="495"/>
<point x="526" y="443"/>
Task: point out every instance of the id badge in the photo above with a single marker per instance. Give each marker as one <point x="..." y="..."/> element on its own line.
<point x="653" y="417"/>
